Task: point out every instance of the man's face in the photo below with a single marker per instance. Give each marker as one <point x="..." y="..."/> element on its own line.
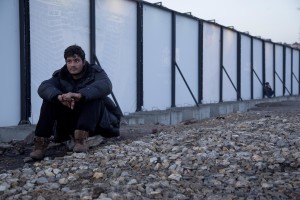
<point x="74" y="64"/>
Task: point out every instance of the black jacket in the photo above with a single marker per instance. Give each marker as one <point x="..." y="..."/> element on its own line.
<point x="94" y="84"/>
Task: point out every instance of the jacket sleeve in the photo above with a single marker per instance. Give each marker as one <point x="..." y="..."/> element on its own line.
<point x="99" y="88"/>
<point x="49" y="89"/>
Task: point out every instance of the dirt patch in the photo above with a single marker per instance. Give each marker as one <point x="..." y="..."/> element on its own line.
<point x="16" y="153"/>
<point x="284" y="106"/>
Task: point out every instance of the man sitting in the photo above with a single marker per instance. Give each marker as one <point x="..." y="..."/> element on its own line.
<point x="75" y="105"/>
<point x="268" y="90"/>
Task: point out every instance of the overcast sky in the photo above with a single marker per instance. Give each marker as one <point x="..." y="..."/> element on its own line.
<point x="278" y="20"/>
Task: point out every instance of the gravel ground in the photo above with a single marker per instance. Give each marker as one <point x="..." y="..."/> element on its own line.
<point x="252" y="155"/>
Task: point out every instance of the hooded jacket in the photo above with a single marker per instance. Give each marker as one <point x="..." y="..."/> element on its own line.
<point x="94" y="84"/>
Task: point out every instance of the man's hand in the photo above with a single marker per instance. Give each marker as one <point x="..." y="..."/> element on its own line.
<point x="69" y="99"/>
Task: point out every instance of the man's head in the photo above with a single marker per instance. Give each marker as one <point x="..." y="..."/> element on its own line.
<point x="72" y="50"/>
<point x="75" y="60"/>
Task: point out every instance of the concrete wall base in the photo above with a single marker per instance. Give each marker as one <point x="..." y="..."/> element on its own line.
<point x="204" y="111"/>
<point x="167" y="117"/>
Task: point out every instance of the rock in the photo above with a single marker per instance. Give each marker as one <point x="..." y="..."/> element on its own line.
<point x="175" y="177"/>
<point x="240" y="156"/>
<point x="257" y="158"/>
<point x="63" y="181"/>
<point x="98" y="175"/>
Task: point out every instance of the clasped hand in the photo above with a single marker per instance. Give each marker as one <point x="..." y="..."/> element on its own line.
<point x="69" y="99"/>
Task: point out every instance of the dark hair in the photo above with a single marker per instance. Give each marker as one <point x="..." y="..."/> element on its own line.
<point x="72" y="50"/>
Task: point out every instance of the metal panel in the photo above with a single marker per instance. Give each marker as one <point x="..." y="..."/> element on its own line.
<point x="257" y="66"/>
<point x="279" y="70"/>
<point x="245" y="67"/>
<point x="211" y="63"/>
<point x="296" y="66"/>
<point x="116" y="32"/>
<point x="269" y="63"/>
<point x="288" y="71"/>
<point x="230" y="64"/>
<point x="54" y="25"/>
<point x="187" y="59"/>
<point x="10" y="54"/>
<point x="157" y="58"/>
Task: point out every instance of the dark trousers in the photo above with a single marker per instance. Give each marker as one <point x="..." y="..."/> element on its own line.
<point x="269" y="92"/>
<point x="60" y="121"/>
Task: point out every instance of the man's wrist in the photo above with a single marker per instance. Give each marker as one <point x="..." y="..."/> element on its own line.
<point x="81" y="97"/>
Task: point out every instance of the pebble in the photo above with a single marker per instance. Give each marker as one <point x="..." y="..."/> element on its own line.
<point x="234" y="158"/>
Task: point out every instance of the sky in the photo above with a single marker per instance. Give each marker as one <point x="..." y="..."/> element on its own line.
<point x="278" y="20"/>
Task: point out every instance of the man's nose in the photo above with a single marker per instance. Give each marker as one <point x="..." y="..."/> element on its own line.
<point x="73" y="63"/>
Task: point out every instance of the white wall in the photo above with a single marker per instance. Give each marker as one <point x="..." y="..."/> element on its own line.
<point x="157" y="58"/>
<point x="288" y="71"/>
<point x="187" y="59"/>
<point x="54" y="25"/>
<point x="230" y="64"/>
<point x="279" y="70"/>
<point x="211" y="63"/>
<point x="296" y="66"/>
<point x="269" y="63"/>
<point x="257" y="66"/>
<point x="116" y="48"/>
<point x="245" y="67"/>
<point x="10" y="63"/>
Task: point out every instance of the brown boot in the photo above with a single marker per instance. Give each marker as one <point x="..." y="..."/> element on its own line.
<point x="40" y="146"/>
<point x="80" y="139"/>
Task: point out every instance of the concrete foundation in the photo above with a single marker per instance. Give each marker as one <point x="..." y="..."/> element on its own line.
<point x="177" y="115"/>
<point x="169" y="116"/>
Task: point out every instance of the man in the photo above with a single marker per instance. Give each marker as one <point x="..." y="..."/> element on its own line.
<point x="75" y="105"/>
<point x="268" y="90"/>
